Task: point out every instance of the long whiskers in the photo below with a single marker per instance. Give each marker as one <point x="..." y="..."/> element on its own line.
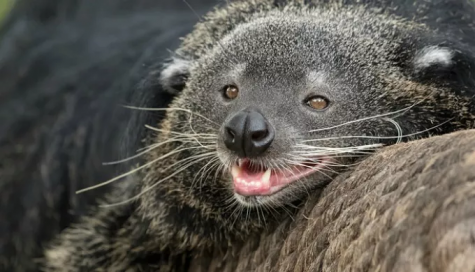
<point x="400" y="136"/>
<point x="174" y="109"/>
<point x="195" y="136"/>
<point x="141" y="153"/>
<point x="175" y="151"/>
<point x="157" y="145"/>
<point x="398" y="127"/>
<point x="402" y="111"/>
<point x="304" y="150"/>
<point x="146" y="190"/>
<point x="201" y="135"/>
<point x="204" y="172"/>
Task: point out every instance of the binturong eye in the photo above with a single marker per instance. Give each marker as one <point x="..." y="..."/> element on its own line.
<point x="317" y="102"/>
<point x="230" y="92"/>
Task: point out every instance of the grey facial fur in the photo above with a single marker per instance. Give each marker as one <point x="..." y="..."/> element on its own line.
<point x="279" y="59"/>
<point x="370" y="65"/>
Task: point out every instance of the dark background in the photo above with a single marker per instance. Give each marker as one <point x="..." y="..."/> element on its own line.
<point x="66" y="67"/>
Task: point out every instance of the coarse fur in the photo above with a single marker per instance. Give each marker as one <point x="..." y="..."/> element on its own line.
<point x="410" y="207"/>
<point x="67" y="68"/>
<point x="388" y="77"/>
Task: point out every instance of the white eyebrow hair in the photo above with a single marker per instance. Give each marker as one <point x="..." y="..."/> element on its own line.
<point x="317" y="77"/>
<point x="238" y="69"/>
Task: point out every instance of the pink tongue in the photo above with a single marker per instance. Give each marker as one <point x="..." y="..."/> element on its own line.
<point x="246" y="183"/>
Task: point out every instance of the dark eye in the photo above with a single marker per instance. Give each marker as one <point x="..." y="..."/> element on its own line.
<point x="231" y="92"/>
<point x="317" y="102"/>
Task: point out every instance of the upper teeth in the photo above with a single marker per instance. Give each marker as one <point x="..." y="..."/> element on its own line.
<point x="235" y="171"/>
<point x="266" y="177"/>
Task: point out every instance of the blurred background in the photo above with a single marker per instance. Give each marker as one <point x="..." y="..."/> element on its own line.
<point x="66" y="69"/>
<point x="4" y="8"/>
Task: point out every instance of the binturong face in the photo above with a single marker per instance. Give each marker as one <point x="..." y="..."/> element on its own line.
<point x="283" y="103"/>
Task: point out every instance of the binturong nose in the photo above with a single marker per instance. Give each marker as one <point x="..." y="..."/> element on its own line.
<point x="248" y="133"/>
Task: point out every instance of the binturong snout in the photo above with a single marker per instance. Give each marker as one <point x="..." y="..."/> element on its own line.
<point x="248" y="133"/>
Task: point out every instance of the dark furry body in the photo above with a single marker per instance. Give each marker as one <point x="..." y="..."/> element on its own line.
<point x="62" y="120"/>
<point x="66" y="67"/>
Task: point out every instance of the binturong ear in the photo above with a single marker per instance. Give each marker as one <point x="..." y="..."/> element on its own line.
<point x="447" y="65"/>
<point x="433" y="58"/>
<point x="174" y="75"/>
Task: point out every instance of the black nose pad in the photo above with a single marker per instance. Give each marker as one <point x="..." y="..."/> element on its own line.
<point x="248" y="133"/>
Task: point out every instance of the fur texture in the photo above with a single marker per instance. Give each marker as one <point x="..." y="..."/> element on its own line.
<point x="410" y="207"/>
<point x="371" y="57"/>
<point x="174" y="208"/>
<point x="66" y="69"/>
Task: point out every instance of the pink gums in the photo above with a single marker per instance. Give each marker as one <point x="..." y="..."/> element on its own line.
<point x="267" y="182"/>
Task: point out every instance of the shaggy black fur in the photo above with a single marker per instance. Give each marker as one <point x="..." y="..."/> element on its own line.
<point x="66" y="67"/>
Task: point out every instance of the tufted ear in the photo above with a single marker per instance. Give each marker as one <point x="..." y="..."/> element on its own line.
<point x="433" y="56"/>
<point x="445" y="65"/>
<point x="174" y="75"/>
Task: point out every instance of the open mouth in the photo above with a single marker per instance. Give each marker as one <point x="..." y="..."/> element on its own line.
<point x="252" y="180"/>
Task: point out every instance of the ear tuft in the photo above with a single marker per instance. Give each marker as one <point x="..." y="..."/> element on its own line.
<point x="448" y="66"/>
<point x="174" y="75"/>
<point x="433" y="56"/>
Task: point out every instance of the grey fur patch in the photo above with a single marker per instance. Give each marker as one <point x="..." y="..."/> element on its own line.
<point x="317" y="78"/>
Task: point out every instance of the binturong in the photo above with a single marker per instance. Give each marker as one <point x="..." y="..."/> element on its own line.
<point x="272" y="100"/>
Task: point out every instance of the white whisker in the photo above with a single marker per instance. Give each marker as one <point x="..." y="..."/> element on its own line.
<point x="173" y="109"/>
<point x="153" y="186"/>
<point x="398" y="127"/>
<point x="205" y="135"/>
<point x="191" y="158"/>
<point x="189" y="136"/>
<point x="368" y="118"/>
<point x="134" y="170"/>
<point x="148" y="149"/>
<point x="380" y="137"/>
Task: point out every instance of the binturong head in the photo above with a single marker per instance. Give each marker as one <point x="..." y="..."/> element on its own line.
<point x="273" y="105"/>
